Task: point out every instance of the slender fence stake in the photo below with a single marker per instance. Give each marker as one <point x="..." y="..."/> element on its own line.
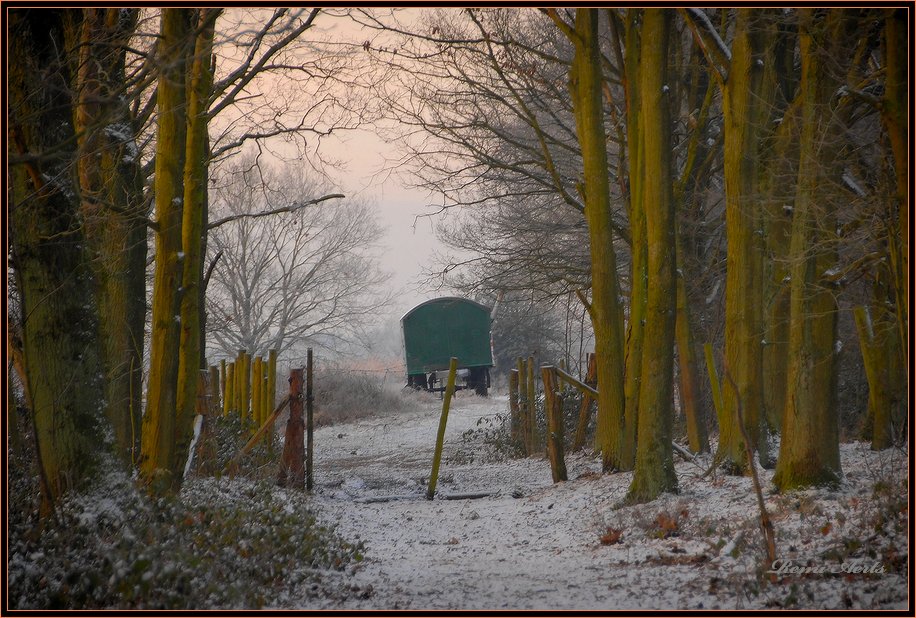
<point x="440" y="437"/>
<point x="532" y="408"/>
<point x="245" y="386"/>
<point x="201" y="451"/>
<point x="292" y="462"/>
<point x="257" y="379"/>
<point x="271" y="379"/>
<point x="523" y="405"/>
<point x="553" y="408"/>
<point x="514" y="420"/>
<point x="223" y="376"/>
<point x="239" y="370"/>
<point x="586" y="404"/>
<point x="214" y="391"/>
<point x="309" y="424"/>
<point x="229" y="392"/>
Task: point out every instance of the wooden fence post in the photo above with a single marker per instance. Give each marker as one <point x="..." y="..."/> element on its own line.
<point x="214" y="391"/>
<point x="271" y="379"/>
<point x="584" y="408"/>
<point x="239" y="368"/>
<point x="440" y="436"/>
<point x="514" y="420"/>
<point x="553" y="408"/>
<point x="532" y="408"/>
<point x="310" y="424"/>
<point x="265" y="400"/>
<point x="204" y="451"/>
<point x="523" y="405"/>
<point x="245" y="403"/>
<point x="292" y="462"/>
<point x="223" y="376"/>
<point x="257" y="379"/>
<point x="228" y="389"/>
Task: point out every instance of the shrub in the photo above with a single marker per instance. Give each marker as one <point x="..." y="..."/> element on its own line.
<point x="219" y="544"/>
<point x="343" y="395"/>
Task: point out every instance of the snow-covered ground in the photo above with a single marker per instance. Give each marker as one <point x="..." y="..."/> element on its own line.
<point x="536" y="545"/>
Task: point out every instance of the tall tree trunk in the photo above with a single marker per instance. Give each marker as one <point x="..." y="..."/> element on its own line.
<point x="745" y="112"/>
<point x="193" y="230"/>
<point x="809" y="453"/>
<point x="585" y="77"/>
<point x="59" y="321"/>
<point x="158" y="450"/>
<point x="894" y="116"/>
<point x="777" y="194"/>
<point x="688" y="369"/>
<point x="654" y="472"/>
<point x="638" y="246"/>
<point x="693" y="180"/>
<point x="886" y="377"/>
<point x="114" y="213"/>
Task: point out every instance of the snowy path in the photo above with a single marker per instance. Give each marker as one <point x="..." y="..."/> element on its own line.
<point x="541" y="549"/>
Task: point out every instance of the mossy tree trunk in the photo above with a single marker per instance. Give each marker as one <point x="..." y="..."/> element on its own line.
<point x="886" y="378"/>
<point x="777" y="192"/>
<point x="809" y="453"/>
<point x="158" y="456"/>
<point x="690" y="186"/>
<point x="193" y="228"/>
<point x="638" y="246"/>
<point x="58" y="312"/>
<point x="895" y="119"/>
<point x="745" y="113"/>
<point x="654" y="471"/>
<point x="605" y="310"/>
<point x="113" y="211"/>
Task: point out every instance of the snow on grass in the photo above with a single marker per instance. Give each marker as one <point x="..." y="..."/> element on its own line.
<point x="535" y="545"/>
<point x="244" y="543"/>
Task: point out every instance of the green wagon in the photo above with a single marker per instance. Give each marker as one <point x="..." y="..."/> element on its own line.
<point x="437" y="330"/>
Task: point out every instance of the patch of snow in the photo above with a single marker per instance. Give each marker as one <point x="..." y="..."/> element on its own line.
<point x="715" y="290"/>
<point x="850" y="181"/>
<point x="533" y="544"/>
<point x="198" y="423"/>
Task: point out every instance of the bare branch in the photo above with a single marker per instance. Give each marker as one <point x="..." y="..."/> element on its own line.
<point x="275" y="211"/>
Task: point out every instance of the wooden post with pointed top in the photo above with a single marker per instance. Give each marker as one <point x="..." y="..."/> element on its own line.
<point x="440" y="436"/>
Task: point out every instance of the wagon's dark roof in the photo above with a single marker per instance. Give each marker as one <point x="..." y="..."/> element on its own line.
<point x="446" y="298"/>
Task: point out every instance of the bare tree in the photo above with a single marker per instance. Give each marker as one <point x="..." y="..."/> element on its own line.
<point x="308" y="275"/>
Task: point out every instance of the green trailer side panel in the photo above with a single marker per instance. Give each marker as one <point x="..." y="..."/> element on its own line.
<point x="439" y="329"/>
